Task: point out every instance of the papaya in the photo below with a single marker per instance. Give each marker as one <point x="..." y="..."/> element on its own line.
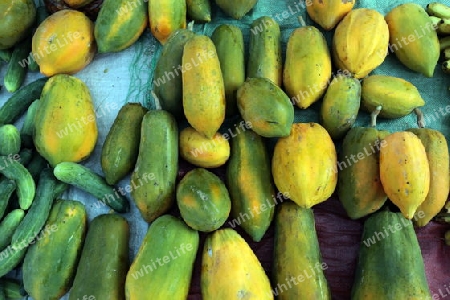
<point x="390" y="263"/>
<point x="165" y="17"/>
<point x="229" y="43"/>
<point x="264" y="53"/>
<point x="359" y="185"/>
<point x="396" y="96"/>
<point x="436" y="149"/>
<point x="168" y="250"/>
<point x="64" y="43"/>
<point x="328" y="13"/>
<point x="421" y="52"/>
<point x="404" y="171"/>
<point x="360" y="42"/>
<point x="121" y="146"/>
<point x="249" y="181"/>
<point x="167" y="80"/>
<point x="118" y="25"/>
<point x="156" y="169"/>
<point x="306" y="73"/>
<point x="245" y="277"/>
<point x="77" y="3"/>
<point x="201" y="151"/>
<point x="18" y="17"/>
<point x="49" y="265"/>
<point x="199" y="10"/>
<point x="266" y="107"/>
<point x="236" y="8"/>
<point x="203" y="86"/>
<point x="304" y="164"/>
<point x="203" y="200"/>
<point x="297" y="257"/>
<point x="65" y="122"/>
<point x="340" y="105"/>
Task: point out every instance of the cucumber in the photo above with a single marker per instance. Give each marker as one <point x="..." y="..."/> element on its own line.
<point x="49" y="265"/>
<point x="5" y="55"/>
<point x="12" y="288"/>
<point x="90" y="182"/>
<point x="25" y="156"/>
<point x="19" y="102"/>
<point x="10" y="258"/>
<point x="9" y="140"/>
<point x="2" y="293"/>
<point x="9" y="225"/>
<point x="38" y="213"/>
<point x="36" y="165"/>
<point x="26" y="187"/>
<point x="7" y="187"/>
<point x="17" y="66"/>
<point x="60" y="188"/>
<point x="105" y="254"/>
<point x="26" y="131"/>
<point x="41" y="15"/>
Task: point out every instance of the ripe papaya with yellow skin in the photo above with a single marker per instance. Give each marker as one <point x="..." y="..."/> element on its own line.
<point x="65" y="122"/>
<point x="360" y="42"/>
<point x="203" y="86"/>
<point x="359" y="186"/>
<point x="396" y="96"/>
<point x="306" y="73"/>
<point x="327" y="13"/>
<point x="115" y="30"/>
<point x="405" y="171"/>
<point x="304" y="164"/>
<point x="166" y="17"/>
<point x="420" y="52"/>
<point x="201" y="151"/>
<point x="438" y="159"/>
<point x="226" y="252"/>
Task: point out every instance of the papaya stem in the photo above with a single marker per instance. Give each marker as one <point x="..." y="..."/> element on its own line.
<point x="190" y="26"/>
<point x="420" y="117"/>
<point x="374" y="115"/>
<point x="157" y="103"/>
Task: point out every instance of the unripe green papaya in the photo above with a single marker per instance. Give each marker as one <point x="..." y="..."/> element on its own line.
<point x="203" y="200"/>
<point x="167" y="80"/>
<point x="421" y="51"/>
<point x="340" y="105"/>
<point x="359" y="187"/>
<point x="199" y="10"/>
<point x="229" y="44"/>
<point x="236" y="8"/>
<point x="266" y="107"/>
<point x="396" y="96"/>
<point x="264" y="59"/>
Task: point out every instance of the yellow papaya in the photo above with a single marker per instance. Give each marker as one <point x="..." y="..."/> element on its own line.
<point x="396" y="96"/>
<point x="328" y="13"/>
<point x="404" y="171"/>
<point x="306" y="73"/>
<point x="360" y="42"/>
<point x="166" y="17"/>
<point x="201" y="151"/>
<point x="65" y="122"/>
<point x="226" y="252"/>
<point x="413" y="38"/>
<point x="304" y="164"/>
<point x="117" y="26"/>
<point x="438" y="159"/>
<point x="203" y="86"/>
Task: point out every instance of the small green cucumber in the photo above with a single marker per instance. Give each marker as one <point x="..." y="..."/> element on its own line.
<point x="265" y="59"/>
<point x="17" y="66"/>
<point x="121" y="146"/>
<point x="2" y="293"/>
<point x="7" y="187"/>
<point x="5" y="55"/>
<point x="19" y="102"/>
<point x="199" y="10"/>
<point x="8" y="225"/>
<point x="50" y="264"/>
<point x="105" y="254"/>
<point x="36" y="165"/>
<point x="92" y="183"/>
<point x="24" y="156"/>
<point x="9" y="139"/>
<point x="37" y="215"/>
<point x="12" y="288"/>
<point x="10" y="258"/>
<point x="26" y="131"/>
<point x="26" y="187"/>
